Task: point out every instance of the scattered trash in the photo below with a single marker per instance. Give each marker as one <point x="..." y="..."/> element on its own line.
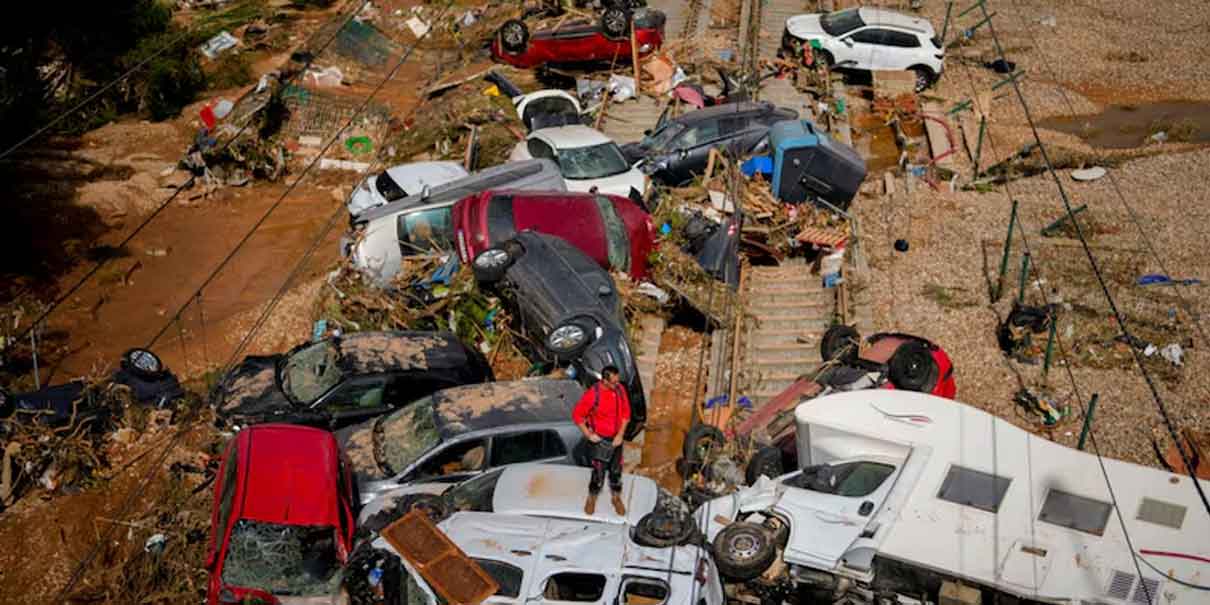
<point x="1159" y="279"/>
<point x="219" y="44"/>
<point x="1088" y="174"/>
<point x="1049" y="21"/>
<point x="1038" y="406"/>
<point x="621" y="88"/>
<point x="418" y="26"/>
<point x="1159" y="137"/>
<point x="328" y="76"/>
<point x="654" y="291"/>
<point x="1001" y="66"/>
<point x="468" y="19"/>
<point x="1174" y="354"/>
<point x="155" y="544"/>
<point x="332" y="164"/>
<point x="223" y="108"/>
<point x="901" y="245"/>
<point x="359" y="145"/>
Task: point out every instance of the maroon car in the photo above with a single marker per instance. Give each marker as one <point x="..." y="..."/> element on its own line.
<point x="613" y="230"/>
<point x="580" y="41"/>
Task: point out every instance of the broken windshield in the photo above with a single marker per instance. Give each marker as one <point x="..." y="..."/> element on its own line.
<point x="310" y="372"/>
<point x="592" y="162"/>
<point x="659" y="140"/>
<point x="388" y="188"/>
<point x="282" y="559"/>
<point x="403" y="437"/>
<point x="474" y="495"/>
<point x="848" y="479"/>
<point x="842" y="22"/>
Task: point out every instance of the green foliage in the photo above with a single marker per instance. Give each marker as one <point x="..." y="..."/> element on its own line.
<point x="229" y="71"/>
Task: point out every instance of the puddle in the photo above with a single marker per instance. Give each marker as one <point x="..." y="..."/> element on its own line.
<point x="1125" y="126"/>
<point x="876" y="142"/>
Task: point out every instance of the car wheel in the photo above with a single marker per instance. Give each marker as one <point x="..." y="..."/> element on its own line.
<point x="826" y="58"/>
<point x="912" y="367"/>
<point x="924" y="77"/>
<point x="661" y="529"/>
<point x="615" y="22"/>
<point x="514" y="36"/>
<point x="840" y="343"/>
<point x="142" y="364"/>
<point x="489" y="266"/>
<point x="743" y="551"/>
<point x="766" y="462"/>
<point x="568" y="340"/>
<point x="701" y="440"/>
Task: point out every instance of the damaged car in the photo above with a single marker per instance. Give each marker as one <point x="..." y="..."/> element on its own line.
<point x="398" y="182"/>
<point x="346" y="379"/>
<point x="569" y="307"/>
<point x="679" y="148"/>
<point x="539" y="109"/>
<point x="580" y="40"/>
<point x="615" y="231"/>
<point x="460" y="432"/>
<point x="891" y="360"/>
<point x="589" y="161"/>
<point x="283" y="517"/>
<point x="421" y="223"/>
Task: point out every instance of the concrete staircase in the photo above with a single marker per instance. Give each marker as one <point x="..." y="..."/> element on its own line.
<point x="646" y="357"/>
<point x="788" y="311"/>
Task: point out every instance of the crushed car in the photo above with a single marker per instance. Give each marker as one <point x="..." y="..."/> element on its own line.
<point x="345" y="379"/>
<point x="589" y="161"/>
<point x="282" y="525"/>
<point x="569" y="307"/>
<point x="422" y="223"/>
<point x="461" y="432"/>
<point x="891" y="360"/>
<point x="539" y="109"/>
<point x="615" y="231"/>
<point x="899" y="497"/>
<point x="398" y="182"/>
<point x="679" y="148"/>
<point x="580" y="40"/>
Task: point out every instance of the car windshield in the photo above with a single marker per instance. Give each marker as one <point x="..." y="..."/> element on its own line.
<point x="310" y="372"/>
<point x="475" y="494"/>
<point x="842" y="22"/>
<point x="282" y="559"/>
<point x="660" y="139"/>
<point x="592" y="162"/>
<point x="388" y="188"/>
<point x="403" y="437"/>
<point x="848" y="479"/>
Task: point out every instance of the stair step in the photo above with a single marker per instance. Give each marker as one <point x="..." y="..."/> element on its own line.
<point x="801" y="361"/>
<point x="795" y="309"/>
<point x="793" y="324"/>
<point x="789" y="353"/>
<point x="800" y="338"/>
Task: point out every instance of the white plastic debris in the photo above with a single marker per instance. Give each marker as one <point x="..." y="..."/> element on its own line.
<point x="719" y="201"/>
<point x="155" y="544"/>
<point x="1173" y="353"/>
<point x="468" y="19"/>
<point x="1150" y="350"/>
<point x="1160" y="137"/>
<point x="220" y="43"/>
<point x="331" y="164"/>
<point x="1049" y="21"/>
<point x="328" y="76"/>
<point x="1088" y="174"/>
<point x="654" y="291"/>
<point x="418" y="26"/>
<point x="621" y="87"/>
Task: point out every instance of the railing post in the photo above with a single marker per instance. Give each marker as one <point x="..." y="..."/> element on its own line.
<point x="1008" y="243"/>
<point x="1092" y="408"/>
<point x="1024" y="278"/>
<point x="1050" y="347"/>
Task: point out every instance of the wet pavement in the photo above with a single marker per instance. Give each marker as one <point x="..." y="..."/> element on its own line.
<point x="1126" y="126"/>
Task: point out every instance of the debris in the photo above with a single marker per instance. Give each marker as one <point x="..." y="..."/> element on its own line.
<point x="1049" y="21"/>
<point x="1001" y="66"/>
<point x="654" y="291"/>
<point x="328" y="76"/>
<point x="419" y="28"/>
<point x="621" y="88"/>
<point x="1159" y="137"/>
<point x="331" y="164"/>
<point x="1159" y="279"/>
<point x="901" y="245"/>
<point x="223" y="108"/>
<point x="155" y="544"/>
<point x="1088" y="174"/>
<point x="219" y="44"/>
<point x="1174" y="354"/>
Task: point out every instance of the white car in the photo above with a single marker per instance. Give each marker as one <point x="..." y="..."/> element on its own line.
<point x="398" y="182"/>
<point x="587" y="159"/>
<point x="869" y="38"/>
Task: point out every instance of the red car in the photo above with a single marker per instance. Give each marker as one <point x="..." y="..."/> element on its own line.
<point x="612" y="230"/>
<point x="910" y="362"/>
<point x="580" y="41"/>
<point x="283" y="517"/>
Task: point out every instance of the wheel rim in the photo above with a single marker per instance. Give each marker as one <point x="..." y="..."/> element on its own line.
<point x="491" y="259"/>
<point x="144" y="360"/>
<point x="744" y="546"/>
<point x="922" y="80"/>
<point x="616" y="21"/>
<point x="566" y="338"/>
<point x="512" y="36"/>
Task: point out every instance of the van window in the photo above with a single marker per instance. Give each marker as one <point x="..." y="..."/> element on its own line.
<point x="644" y="592"/>
<point x="1077" y="512"/>
<point x="973" y="488"/>
<point x="850" y="479"/>
<point x="575" y="587"/>
<point x="507" y="577"/>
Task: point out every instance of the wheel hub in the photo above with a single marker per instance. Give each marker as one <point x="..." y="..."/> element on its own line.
<point x="744" y="547"/>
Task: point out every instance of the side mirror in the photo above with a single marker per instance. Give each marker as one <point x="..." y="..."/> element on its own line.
<point x="866" y="508"/>
<point x="425" y="192"/>
<point x="647" y="132"/>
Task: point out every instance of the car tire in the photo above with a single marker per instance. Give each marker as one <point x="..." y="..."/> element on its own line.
<point x="490" y="265"/>
<point x="840" y="343"/>
<point x="924" y="77"/>
<point x="661" y="529"/>
<point x="766" y="462"/>
<point x="743" y="551"/>
<point x="142" y="364"/>
<point x="701" y="439"/>
<point x="826" y="58"/>
<point x="615" y="22"/>
<point x="514" y="36"/>
<point x="912" y="367"/>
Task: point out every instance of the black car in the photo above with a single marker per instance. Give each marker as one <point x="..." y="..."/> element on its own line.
<point x="569" y="304"/>
<point x="346" y="379"/>
<point x="679" y="147"/>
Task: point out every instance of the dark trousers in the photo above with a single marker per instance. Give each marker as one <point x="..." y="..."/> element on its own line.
<point x="600" y="465"/>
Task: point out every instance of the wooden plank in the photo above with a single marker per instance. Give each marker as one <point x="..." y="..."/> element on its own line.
<point x="451" y="574"/>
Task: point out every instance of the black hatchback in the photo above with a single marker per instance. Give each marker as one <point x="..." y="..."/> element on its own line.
<point x="570" y="305"/>
<point x="678" y="148"/>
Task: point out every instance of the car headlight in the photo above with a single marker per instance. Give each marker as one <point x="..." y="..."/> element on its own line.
<point x="566" y="338"/>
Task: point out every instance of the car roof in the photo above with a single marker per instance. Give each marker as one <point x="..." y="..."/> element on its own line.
<point x="420" y="170"/>
<point x="562" y="278"/>
<point x="725" y="109"/>
<point x="499" y="405"/>
<point x="556" y="490"/>
<point x="525" y="174"/>
<point x="879" y="16"/>
<point x="289" y="475"/>
<point x="374" y="352"/>
<point x="575" y="135"/>
<point x="541" y="546"/>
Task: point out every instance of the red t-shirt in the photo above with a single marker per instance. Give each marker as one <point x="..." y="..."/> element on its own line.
<point x="612" y="409"/>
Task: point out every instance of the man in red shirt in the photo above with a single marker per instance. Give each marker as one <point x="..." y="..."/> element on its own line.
<point x="602" y="414"/>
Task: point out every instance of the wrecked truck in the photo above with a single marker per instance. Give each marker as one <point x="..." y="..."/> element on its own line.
<point x="899" y="497"/>
<point x="568" y="306"/>
<point x="345" y="379"/>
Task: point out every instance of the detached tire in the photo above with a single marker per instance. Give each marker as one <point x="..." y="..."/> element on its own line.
<point x="841" y="343"/>
<point x="615" y="22"/>
<point x="912" y="367"/>
<point x="514" y="36"/>
<point x="743" y="551"/>
<point x="765" y="462"/>
<point x="661" y="529"/>
<point x="142" y="364"/>
<point x="700" y="440"/>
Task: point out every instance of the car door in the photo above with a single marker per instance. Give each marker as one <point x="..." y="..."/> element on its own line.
<point x="740" y="131"/>
<point x="426" y="231"/>
<point x="542" y="445"/>
<point x="450" y="462"/>
<point x="863" y="47"/>
<point x="693" y="149"/>
<point x="900" y="51"/>
<point x="355" y="400"/>
<point x="224" y="507"/>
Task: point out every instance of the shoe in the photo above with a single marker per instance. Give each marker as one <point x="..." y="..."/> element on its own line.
<point x="590" y="504"/>
<point x="617" y="503"/>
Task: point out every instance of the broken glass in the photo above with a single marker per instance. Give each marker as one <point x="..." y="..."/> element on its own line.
<point x="290" y="560"/>
<point x="311" y="372"/>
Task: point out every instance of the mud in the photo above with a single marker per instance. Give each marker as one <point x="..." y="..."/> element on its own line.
<point x="1126" y="126"/>
<point x="670" y="409"/>
<point x="381" y="351"/>
<point x="503" y="403"/>
<point x="360" y="450"/>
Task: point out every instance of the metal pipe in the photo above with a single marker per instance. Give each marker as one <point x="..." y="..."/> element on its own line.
<point x="1024" y="277"/>
<point x="1092" y="408"/>
<point x="1008" y="244"/>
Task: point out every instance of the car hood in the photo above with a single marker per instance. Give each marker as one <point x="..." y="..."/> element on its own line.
<point x="618" y="184"/>
<point x="805" y="26"/>
<point x="375" y="251"/>
<point x="251" y="391"/>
